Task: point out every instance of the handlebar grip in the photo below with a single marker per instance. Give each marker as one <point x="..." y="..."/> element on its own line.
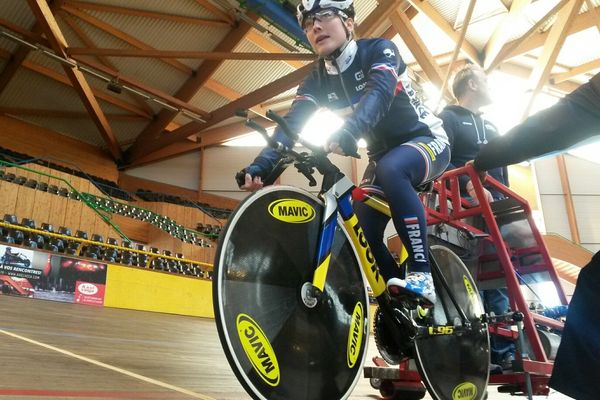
<point x="240" y="177"/>
<point x="284" y="126"/>
<point x="311" y="179"/>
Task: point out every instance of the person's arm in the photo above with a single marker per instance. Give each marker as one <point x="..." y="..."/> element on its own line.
<point x="573" y="119"/>
<point x="305" y="104"/>
<point x="382" y="85"/>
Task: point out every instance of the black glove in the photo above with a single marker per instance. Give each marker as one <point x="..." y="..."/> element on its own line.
<point x="346" y="141"/>
<point x="253" y="170"/>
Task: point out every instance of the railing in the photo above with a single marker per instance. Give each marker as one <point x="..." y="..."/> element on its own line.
<point x="82" y="196"/>
<point x="151" y="256"/>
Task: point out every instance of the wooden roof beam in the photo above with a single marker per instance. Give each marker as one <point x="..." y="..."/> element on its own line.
<point x="52" y="74"/>
<point x="594" y="11"/>
<point x="578" y="70"/>
<point x="187" y="91"/>
<point x="466" y="48"/>
<point x="111" y="30"/>
<point x="147" y="14"/>
<point x="206" y="55"/>
<point x="64" y="114"/>
<point x="500" y="35"/>
<point x="379" y="18"/>
<point x="210" y="137"/>
<point x="206" y="4"/>
<point x="417" y="47"/>
<point x="227" y="111"/>
<point x="58" y="43"/>
<point x="267" y="45"/>
<point x="103" y="60"/>
<point x="364" y="29"/>
<point x="530" y="40"/>
<point x="556" y="37"/>
<point x="459" y="43"/>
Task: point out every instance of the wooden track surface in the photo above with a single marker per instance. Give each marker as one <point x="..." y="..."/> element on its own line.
<point x="51" y="350"/>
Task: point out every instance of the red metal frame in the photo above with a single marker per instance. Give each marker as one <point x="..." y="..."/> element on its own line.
<point x="447" y="189"/>
<point x="453" y="210"/>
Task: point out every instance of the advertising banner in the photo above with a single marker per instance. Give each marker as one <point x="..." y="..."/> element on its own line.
<point x="21" y="270"/>
<point x="37" y="274"/>
<point x="89" y="293"/>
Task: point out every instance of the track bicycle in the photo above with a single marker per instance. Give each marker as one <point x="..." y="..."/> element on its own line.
<point x="291" y="304"/>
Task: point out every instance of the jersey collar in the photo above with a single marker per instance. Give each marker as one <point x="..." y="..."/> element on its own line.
<point x="344" y="60"/>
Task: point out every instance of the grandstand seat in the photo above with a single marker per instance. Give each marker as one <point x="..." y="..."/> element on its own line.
<point x="42" y="186"/>
<point x="32" y="239"/>
<point x="81" y="235"/>
<point x="53" y="189"/>
<point x="63" y="192"/>
<point x="112" y="241"/>
<point x="158" y="264"/>
<point x="11" y="219"/>
<point x="12" y="235"/>
<point x="72" y="247"/>
<point x="20" y="180"/>
<point x="8" y="177"/>
<point x="31" y="183"/>
<point x="55" y="244"/>
<point x="63" y="230"/>
<point x="47" y="227"/>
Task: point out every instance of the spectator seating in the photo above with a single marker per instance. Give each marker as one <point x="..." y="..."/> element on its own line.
<point x="108" y="251"/>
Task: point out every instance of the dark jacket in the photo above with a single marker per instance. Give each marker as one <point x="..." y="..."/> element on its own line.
<point x="467" y="133"/>
<point x="387" y="111"/>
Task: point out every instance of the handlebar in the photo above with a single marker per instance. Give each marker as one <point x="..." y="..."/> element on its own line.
<point x="304" y="162"/>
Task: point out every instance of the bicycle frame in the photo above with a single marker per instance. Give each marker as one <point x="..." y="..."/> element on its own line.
<point x="337" y="200"/>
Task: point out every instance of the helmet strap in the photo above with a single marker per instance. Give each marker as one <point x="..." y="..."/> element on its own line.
<point x="338" y="52"/>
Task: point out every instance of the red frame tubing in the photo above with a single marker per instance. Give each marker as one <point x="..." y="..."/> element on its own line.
<point x="447" y="188"/>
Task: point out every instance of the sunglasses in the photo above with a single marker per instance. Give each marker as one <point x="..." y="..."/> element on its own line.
<point x="323" y="16"/>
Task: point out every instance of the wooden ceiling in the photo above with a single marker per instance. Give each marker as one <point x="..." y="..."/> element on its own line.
<point x="163" y="111"/>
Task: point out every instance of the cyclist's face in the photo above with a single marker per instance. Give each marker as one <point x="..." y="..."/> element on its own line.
<point x="325" y="31"/>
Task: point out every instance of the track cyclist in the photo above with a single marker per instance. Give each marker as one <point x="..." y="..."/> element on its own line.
<point x="367" y="81"/>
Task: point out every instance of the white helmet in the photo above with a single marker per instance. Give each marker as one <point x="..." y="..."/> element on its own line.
<point x="310" y="6"/>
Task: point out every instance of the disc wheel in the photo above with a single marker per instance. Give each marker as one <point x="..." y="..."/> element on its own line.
<point x="277" y="346"/>
<point x="455" y="366"/>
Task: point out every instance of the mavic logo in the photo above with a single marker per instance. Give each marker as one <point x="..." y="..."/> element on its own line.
<point x="464" y="391"/>
<point x="359" y="75"/>
<point x="292" y="211"/>
<point x="355" y="334"/>
<point x="258" y="349"/>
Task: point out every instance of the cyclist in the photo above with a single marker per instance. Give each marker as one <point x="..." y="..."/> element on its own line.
<point x="406" y="142"/>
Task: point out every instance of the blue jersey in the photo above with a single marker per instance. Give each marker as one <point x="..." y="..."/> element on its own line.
<point x="371" y="77"/>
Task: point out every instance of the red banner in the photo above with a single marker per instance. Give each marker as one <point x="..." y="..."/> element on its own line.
<point x="89" y="293"/>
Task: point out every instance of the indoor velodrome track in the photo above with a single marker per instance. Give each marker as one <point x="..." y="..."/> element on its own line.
<point x="56" y="350"/>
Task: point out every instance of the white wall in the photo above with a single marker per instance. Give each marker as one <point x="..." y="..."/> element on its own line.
<point x="182" y="171"/>
<point x="222" y="163"/>
<point x="584" y="183"/>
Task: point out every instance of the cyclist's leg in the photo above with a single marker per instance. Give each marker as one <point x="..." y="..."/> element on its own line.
<point x="398" y="172"/>
<point x="373" y="224"/>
